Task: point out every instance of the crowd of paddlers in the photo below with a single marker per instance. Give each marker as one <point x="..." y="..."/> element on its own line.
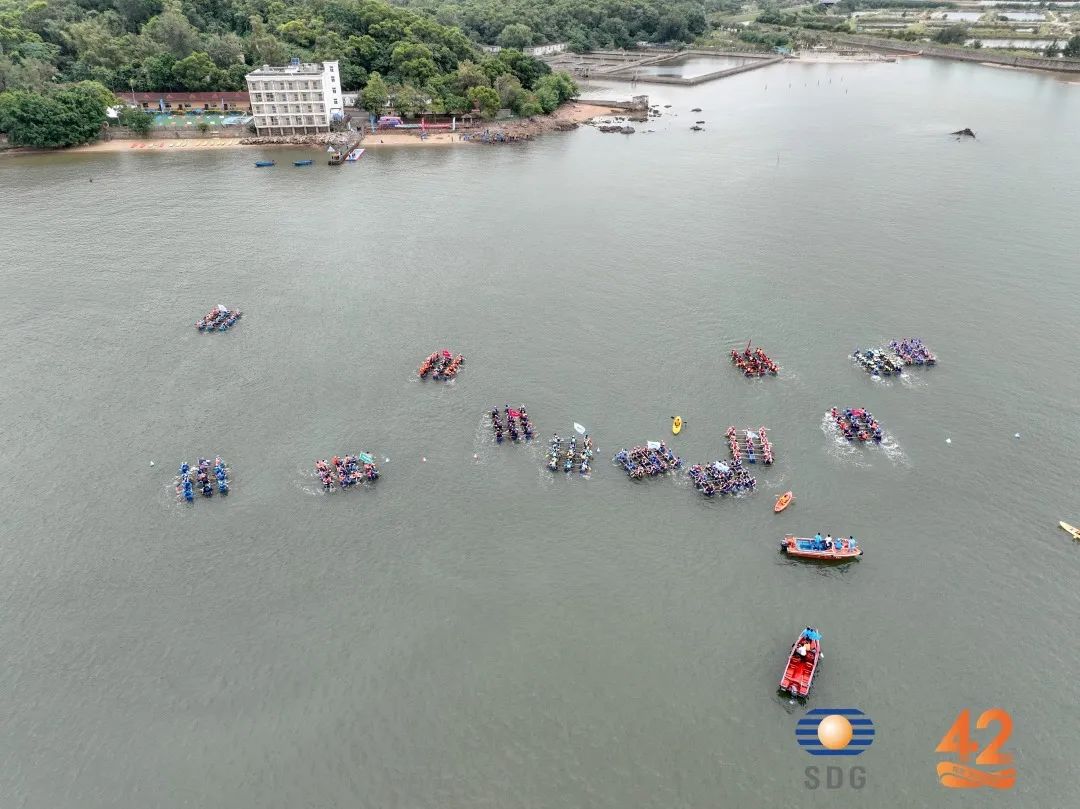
<point x="441" y="365"/>
<point x="218" y="319"/>
<point x="516" y="425"/>
<point x="346" y="470"/>
<point x="912" y="351"/>
<point x="568" y="454"/>
<point x="653" y="459"/>
<point x="202" y="477"/>
<point x="857" y="423"/>
<point x="721" y="477"/>
<point x="753" y="363"/>
<point x="743" y="446"/>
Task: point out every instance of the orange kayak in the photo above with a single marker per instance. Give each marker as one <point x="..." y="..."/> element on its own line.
<point x="783" y="502"/>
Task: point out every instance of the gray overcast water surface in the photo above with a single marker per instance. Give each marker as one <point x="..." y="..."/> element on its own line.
<point x="481" y="633"/>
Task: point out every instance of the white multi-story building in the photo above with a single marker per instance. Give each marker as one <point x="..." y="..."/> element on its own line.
<point x="296" y="98"/>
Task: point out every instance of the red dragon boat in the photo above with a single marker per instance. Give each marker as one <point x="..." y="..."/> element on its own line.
<point x="823" y="550"/>
<point x="802" y="664"/>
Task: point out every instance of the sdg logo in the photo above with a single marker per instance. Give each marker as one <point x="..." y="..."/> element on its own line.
<point x="835" y="732"/>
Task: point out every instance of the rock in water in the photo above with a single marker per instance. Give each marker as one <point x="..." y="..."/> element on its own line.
<point x="963" y="133"/>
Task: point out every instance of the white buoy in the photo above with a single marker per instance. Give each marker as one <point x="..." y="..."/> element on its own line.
<point x="475" y="457"/>
<point x="948" y="440"/>
<point x="423" y="460"/>
<point x="387" y="460"/>
<point x="1017" y="435"/>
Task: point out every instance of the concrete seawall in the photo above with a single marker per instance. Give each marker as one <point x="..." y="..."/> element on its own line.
<point x="965" y="55"/>
<point x="755" y="61"/>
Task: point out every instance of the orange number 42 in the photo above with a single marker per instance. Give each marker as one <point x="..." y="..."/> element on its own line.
<point x="958" y="740"/>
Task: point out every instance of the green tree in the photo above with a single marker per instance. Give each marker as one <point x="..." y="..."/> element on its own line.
<point x="196" y="73"/>
<point x="557" y="86"/>
<point x="548" y="98"/>
<point x="508" y="86"/>
<point x="516" y="35"/>
<point x="413" y="62"/>
<point x="527" y="69"/>
<point x="136" y="12"/>
<point x="486" y="99"/>
<point x="172" y="30"/>
<point x="26" y="74"/>
<point x="469" y="75"/>
<point x="375" y="93"/>
<point x="951" y="35"/>
<point x="1052" y="50"/>
<point x="528" y="105"/>
<point x="456" y="104"/>
<point x="409" y="100"/>
<point x="137" y="120"/>
<point x="1072" y="47"/>
<point x="63" y="117"/>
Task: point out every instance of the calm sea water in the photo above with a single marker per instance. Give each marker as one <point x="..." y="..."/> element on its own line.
<point x="480" y="633"/>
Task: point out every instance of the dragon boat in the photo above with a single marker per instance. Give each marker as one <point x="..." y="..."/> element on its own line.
<point x="912" y="351"/>
<point x="754" y="363"/>
<point x="877" y="362"/>
<point x="857" y="423"/>
<point x="346" y="471"/>
<point x="442" y="365"/>
<point x="554" y="451"/>
<point x="722" y="478"/>
<point x="218" y="319"/>
<point x="653" y="459"/>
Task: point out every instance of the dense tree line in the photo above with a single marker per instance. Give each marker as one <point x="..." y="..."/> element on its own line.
<point x="583" y="24"/>
<point x="58" y="58"/>
<point x="200" y="45"/>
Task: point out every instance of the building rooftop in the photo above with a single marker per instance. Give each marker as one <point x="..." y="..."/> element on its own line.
<point x="287" y="70"/>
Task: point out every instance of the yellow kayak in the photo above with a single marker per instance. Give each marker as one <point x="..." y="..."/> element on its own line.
<point x="676" y="425"/>
<point x="1071" y="529"/>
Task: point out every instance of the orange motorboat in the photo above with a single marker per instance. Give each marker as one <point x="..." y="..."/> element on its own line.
<point x="824" y="550"/>
<point x="783" y="501"/>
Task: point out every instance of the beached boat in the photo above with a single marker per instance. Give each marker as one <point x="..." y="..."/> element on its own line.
<point x="303" y="162"/>
<point x="1071" y="529"/>
<point x="261" y="164"/>
<point x="822" y="550"/>
<point x="783" y="501"/>
<point x="802" y="664"/>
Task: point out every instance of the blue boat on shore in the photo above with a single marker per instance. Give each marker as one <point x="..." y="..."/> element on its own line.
<point x="261" y="164"/>
<point x="303" y="162"/>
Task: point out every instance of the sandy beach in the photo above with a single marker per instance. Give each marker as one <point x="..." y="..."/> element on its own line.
<point x="566" y="116"/>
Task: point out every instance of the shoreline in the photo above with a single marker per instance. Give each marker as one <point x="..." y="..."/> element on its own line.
<point x="568" y="116"/>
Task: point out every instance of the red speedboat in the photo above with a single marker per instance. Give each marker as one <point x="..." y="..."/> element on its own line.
<point x="823" y="550"/>
<point x="802" y="664"/>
